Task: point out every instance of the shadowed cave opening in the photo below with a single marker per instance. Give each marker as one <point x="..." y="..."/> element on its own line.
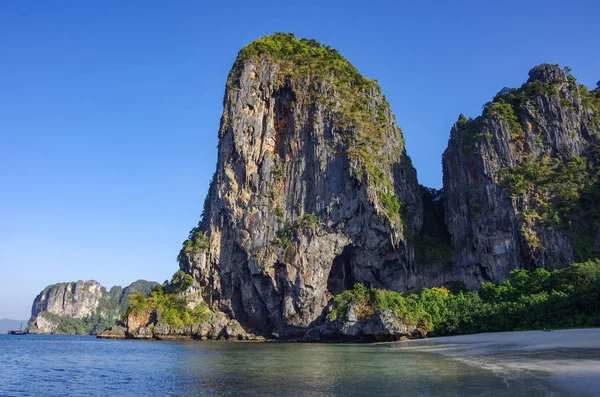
<point x="340" y="277"/>
<point x="283" y="117"/>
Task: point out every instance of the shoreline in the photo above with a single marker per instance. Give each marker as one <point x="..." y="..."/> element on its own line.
<point x="568" y="359"/>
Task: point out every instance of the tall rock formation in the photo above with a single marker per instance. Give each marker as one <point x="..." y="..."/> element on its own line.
<point x="313" y="190"/>
<point x="521" y="180"/>
<point x="81" y="307"/>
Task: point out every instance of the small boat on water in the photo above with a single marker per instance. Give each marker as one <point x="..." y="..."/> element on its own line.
<point x="19" y="332"/>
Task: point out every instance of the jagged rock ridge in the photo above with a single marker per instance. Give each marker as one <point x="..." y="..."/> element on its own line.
<point x="521" y="181"/>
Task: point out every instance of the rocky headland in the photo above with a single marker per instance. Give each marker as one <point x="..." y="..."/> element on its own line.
<point x="82" y="307"/>
<point x="314" y="193"/>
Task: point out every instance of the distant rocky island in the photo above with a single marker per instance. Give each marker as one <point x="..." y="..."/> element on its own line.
<point x="82" y="307"/>
<point x="315" y="225"/>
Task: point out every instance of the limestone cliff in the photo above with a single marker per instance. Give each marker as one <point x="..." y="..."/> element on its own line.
<point x="81" y="307"/>
<point x="521" y="180"/>
<point x="313" y="190"/>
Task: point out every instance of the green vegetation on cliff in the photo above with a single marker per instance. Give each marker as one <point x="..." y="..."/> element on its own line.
<point x="196" y="243"/>
<point x="319" y="64"/>
<point x="568" y="297"/>
<point x="289" y="232"/>
<point x="302" y="58"/>
<point x="565" y="195"/>
<point x="168" y="304"/>
<point x="509" y="104"/>
<point x="556" y="192"/>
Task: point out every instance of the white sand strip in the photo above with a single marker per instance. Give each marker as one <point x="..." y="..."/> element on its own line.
<point x="569" y="359"/>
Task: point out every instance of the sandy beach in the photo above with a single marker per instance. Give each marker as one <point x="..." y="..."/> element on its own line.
<point x="568" y="359"/>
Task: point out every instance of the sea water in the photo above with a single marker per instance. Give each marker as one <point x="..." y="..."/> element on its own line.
<point x="49" y="365"/>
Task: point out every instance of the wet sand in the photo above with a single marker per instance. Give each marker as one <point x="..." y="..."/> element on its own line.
<point x="568" y="359"/>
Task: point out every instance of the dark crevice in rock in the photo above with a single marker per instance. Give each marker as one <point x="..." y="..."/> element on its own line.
<point x="340" y="277"/>
<point x="283" y="121"/>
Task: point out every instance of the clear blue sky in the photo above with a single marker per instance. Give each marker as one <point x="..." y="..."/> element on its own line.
<point x="109" y="112"/>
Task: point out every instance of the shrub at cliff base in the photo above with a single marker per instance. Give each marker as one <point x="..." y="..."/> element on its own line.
<point x="568" y="297"/>
<point x="168" y="304"/>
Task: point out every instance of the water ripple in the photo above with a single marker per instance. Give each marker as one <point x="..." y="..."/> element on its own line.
<point x="84" y="366"/>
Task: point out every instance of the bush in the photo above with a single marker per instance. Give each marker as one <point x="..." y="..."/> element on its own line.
<point x="367" y="301"/>
<point x="535" y="299"/>
<point x="196" y="243"/>
<point x="168" y="305"/>
<point x="180" y="282"/>
<point x="289" y="232"/>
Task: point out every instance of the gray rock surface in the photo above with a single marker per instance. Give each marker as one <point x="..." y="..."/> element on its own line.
<point x="80" y="300"/>
<point x="116" y="332"/>
<point x="380" y="327"/>
<point x="216" y="327"/>
<point x="283" y="154"/>
<point x="313" y="192"/>
<point x="77" y="300"/>
<point x="490" y="235"/>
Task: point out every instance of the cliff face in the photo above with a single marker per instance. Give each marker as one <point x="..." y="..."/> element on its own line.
<point x="81" y="307"/>
<point x="313" y="189"/>
<point x="77" y="300"/>
<point x="521" y="181"/>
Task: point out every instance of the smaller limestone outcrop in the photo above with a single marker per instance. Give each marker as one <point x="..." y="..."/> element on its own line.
<point x="382" y="326"/>
<point x="177" y="310"/>
<point x="116" y="332"/>
<point x="216" y="326"/>
<point x="367" y="314"/>
<point x="82" y="307"/>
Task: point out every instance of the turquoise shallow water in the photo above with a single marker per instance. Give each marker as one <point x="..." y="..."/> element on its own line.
<point x="37" y="365"/>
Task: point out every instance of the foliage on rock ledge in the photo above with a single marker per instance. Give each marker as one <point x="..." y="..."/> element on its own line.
<point x="196" y="243"/>
<point x="168" y="305"/>
<point x="289" y="232"/>
<point x="368" y="300"/>
<point x="509" y="104"/>
<point x="552" y="191"/>
<point x="302" y="58"/>
<point x="568" y="297"/>
<point x="565" y="195"/>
